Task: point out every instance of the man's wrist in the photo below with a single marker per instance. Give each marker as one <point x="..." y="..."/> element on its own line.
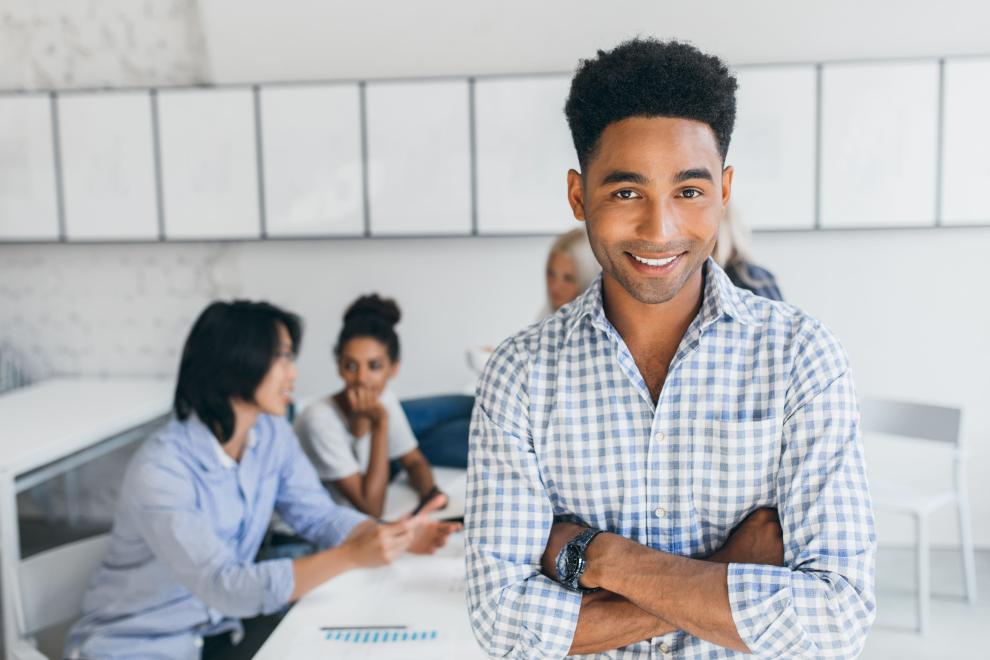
<point x="597" y="559"/>
<point x="344" y="556"/>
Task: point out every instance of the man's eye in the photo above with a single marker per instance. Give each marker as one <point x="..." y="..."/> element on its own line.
<point x="626" y="194"/>
<point x="691" y="193"/>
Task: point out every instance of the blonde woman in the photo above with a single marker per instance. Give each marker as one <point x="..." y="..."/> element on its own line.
<point x="571" y="268"/>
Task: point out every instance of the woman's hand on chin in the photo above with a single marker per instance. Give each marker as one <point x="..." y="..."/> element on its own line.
<point x="364" y="402"/>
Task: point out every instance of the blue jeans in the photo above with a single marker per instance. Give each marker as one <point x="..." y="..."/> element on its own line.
<point x="441" y="425"/>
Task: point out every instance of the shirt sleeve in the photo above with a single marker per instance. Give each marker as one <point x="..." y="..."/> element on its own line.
<point x="304" y="504"/>
<point x="164" y="506"/>
<point x="328" y="442"/>
<point x="401" y="439"/>
<point x="821" y="603"/>
<point x="515" y="610"/>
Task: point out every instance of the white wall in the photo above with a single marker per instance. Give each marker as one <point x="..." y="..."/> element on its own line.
<point x="64" y="44"/>
<point x="907" y="304"/>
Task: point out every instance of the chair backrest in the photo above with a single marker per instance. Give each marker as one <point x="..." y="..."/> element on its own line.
<point x="911" y="420"/>
<point x="53" y="582"/>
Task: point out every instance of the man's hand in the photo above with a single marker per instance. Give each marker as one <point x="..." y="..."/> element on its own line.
<point x="756" y="540"/>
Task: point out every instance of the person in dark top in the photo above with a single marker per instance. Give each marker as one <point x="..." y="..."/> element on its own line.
<point x="732" y="254"/>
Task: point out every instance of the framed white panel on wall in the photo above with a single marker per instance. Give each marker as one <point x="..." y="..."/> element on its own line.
<point x="966" y="142"/>
<point x="28" y="192"/>
<point x="773" y="148"/>
<point x="108" y="166"/>
<point x="524" y="150"/>
<point x="419" y="158"/>
<point x="209" y="164"/>
<point x="879" y="144"/>
<point x="311" y="147"/>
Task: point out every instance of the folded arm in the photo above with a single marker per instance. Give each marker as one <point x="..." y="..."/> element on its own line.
<point x="820" y="602"/>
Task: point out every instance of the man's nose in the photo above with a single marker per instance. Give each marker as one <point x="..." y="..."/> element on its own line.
<point x="658" y="224"/>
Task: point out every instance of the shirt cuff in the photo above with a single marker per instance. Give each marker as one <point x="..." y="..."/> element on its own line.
<point x="548" y="614"/>
<point x="760" y="599"/>
<point x="340" y="523"/>
<point x="281" y="584"/>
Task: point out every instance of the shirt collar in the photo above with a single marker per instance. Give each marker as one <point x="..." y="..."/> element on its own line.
<point x="207" y="449"/>
<point x="225" y="460"/>
<point x="721" y="298"/>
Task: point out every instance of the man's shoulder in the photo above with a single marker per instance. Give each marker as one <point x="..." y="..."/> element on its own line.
<point x="163" y="463"/>
<point x="543" y="338"/>
<point x="780" y="319"/>
<point x="812" y="351"/>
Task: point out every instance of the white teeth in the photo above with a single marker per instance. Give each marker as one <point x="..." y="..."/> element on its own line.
<point x="654" y="262"/>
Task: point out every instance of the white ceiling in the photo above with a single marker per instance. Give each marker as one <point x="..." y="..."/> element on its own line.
<point x="257" y="40"/>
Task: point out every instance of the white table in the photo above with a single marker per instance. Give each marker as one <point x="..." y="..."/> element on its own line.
<point x="417" y="605"/>
<point x="55" y="426"/>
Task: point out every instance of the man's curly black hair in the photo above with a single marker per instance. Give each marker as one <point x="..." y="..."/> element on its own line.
<point x="645" y="77"/>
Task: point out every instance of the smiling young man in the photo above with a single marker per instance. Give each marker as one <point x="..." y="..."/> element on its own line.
<point x="644" y="440"/>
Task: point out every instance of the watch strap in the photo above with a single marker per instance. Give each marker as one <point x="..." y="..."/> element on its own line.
<point x="580" y="543"/>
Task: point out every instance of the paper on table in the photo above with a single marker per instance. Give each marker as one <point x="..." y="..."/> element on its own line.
<point x="422" y="593"/>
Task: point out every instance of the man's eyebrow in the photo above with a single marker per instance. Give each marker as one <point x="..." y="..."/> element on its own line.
<point x="694" y="173"/>
<point x="623" y="176"/>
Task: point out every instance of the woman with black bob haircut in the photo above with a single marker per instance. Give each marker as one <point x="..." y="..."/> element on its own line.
<point x="229" y="350"/>
<point x="198" y="496"/>
<point x="351" y="436"/>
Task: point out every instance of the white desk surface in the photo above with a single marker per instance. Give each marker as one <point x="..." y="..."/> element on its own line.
<point x="422" y="593"/>
<point x="47" y="421"/>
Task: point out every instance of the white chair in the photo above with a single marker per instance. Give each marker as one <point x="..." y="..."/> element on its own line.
<point x="52" y="585"/>
<point x="937" y="424"/>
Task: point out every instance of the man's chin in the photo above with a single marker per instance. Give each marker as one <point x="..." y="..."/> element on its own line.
<point x="654" y="290"/>
<point x="649" y="291"/>
<point x="276" y="409"/>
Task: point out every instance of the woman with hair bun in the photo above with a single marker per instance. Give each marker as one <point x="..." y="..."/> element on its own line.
<point x="352" y="436"/>
<point x="181" y="571"/>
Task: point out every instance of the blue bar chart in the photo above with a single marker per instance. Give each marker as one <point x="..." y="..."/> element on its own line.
<point x="378" y="635"/>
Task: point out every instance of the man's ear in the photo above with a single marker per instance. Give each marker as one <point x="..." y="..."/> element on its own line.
<point x="575" y="194"/>
<point x="727" y="174"/>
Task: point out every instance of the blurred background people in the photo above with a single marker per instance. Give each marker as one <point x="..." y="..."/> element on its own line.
<point x="571" y="268"/>
<point x="732" y="253"/>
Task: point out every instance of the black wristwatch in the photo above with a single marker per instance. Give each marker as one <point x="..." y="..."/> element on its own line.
<point x="571" y="562"/>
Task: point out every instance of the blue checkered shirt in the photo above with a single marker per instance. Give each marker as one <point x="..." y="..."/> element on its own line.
<point x="758" y="410"/>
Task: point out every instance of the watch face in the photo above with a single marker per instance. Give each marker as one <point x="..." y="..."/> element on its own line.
<point x="570" y="562"/>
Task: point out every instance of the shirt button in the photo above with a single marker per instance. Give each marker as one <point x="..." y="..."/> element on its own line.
<point x="660" y="436"/>
<point x="665" y="649"/>
<point x="660" y="512"/>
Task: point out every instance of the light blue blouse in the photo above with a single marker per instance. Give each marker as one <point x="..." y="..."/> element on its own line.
<point x="188" y="525"/>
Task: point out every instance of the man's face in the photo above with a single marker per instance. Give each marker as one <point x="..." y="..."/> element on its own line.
<point x="653" y="195"/>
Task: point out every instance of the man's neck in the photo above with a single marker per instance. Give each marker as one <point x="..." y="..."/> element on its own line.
<point x="652" y="332"/>
<point x="633" y="318"/>
<point x="245" y="416"/>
